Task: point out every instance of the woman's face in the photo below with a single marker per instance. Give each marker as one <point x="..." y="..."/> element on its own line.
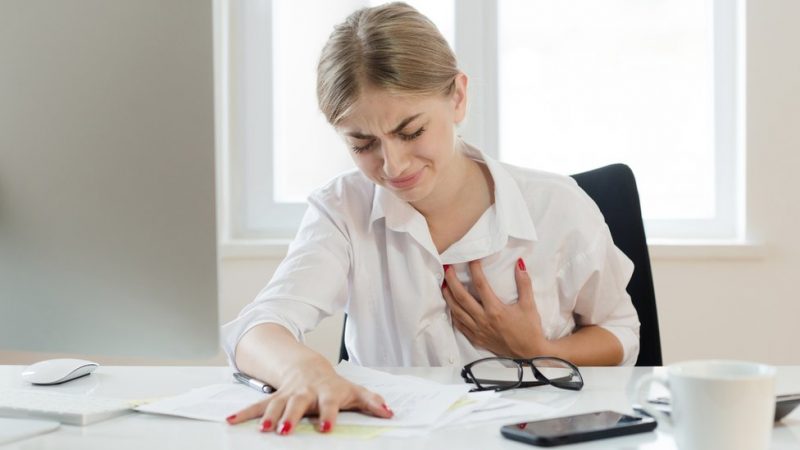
<point x="405" y="143"/>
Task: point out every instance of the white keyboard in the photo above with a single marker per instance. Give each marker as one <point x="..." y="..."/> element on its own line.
<point x="65" y="408"/>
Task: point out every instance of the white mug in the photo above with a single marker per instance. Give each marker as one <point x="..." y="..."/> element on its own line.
<point x="716" y="404"/>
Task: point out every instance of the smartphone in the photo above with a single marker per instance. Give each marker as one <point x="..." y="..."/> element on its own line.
<point x="577" y="428"/>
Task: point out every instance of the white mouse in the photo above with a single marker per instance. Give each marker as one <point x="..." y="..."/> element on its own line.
<point x="56" y="371"/>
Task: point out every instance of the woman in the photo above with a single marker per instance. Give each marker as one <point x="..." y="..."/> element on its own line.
<point x="439" y="254"/>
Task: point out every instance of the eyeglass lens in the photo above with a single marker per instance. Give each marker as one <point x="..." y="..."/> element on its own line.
<point x="504" y="372"/>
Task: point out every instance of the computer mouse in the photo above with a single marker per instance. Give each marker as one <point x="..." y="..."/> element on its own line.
<point x="57" y="371"/>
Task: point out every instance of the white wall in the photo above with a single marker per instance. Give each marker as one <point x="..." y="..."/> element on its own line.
<point x="712" y="306"/>
<point x="749" y="308"/>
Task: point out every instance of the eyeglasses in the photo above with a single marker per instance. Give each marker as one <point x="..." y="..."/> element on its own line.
<point x="501" y="374"/>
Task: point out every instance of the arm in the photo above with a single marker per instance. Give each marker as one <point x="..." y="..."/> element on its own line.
<point x="264" y="340"/>
<point x="306" y="383"/>
<point x="588" y="346"/>
<point x="270" y="353"/>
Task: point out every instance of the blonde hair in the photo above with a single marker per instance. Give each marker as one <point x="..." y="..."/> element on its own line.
<point x="392" y="47"/>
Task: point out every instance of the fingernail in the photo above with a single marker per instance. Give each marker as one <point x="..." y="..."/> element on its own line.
<point x="444" y="282"/>
<point x="286" y="428"/>
<point x="266" y="425"/>
<point x="389" y="410"/>
<point x="521" y="264"/>
<point x="326" y="426"/>
<point x="231" y="418"/>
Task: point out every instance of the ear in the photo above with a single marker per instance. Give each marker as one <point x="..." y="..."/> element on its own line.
<point x="460" y="97"/>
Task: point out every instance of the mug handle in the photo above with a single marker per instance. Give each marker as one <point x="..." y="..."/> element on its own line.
<point x="643" y="391"/>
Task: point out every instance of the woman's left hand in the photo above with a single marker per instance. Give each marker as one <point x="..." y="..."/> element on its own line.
<point x="513" y="330"/>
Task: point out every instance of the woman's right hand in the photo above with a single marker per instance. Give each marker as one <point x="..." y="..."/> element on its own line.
<point x="312" y="391"/>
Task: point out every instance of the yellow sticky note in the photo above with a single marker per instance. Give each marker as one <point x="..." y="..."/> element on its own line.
<point x="344" y="431"/>
<point x="460" y="403"/>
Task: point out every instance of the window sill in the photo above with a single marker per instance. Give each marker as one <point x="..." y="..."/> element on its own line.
<point x="660" y="250"/>
<point x="721" y="250"/>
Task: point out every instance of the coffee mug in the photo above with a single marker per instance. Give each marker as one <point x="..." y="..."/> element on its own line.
<point x="716" y="404"/>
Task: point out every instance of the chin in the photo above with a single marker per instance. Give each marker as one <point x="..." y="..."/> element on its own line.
<point x="413" y="194"/>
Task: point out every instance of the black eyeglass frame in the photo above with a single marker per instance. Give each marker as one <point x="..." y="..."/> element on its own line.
<point x="481" y="384"/>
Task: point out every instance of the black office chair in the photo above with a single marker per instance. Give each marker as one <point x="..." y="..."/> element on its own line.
<point x="614" y="190"/>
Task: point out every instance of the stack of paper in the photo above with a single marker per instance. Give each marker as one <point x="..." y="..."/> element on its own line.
<point x="419" y="405"/>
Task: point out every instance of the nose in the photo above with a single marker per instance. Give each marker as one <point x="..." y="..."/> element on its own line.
<point x="395" y="159"/>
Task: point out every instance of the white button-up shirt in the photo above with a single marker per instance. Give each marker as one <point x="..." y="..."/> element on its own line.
<point x="361" y="249"/>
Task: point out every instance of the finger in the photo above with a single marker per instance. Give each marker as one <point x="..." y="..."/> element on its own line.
<point x="328" y="411"/>
<point x="467" y="332"/>
<point x="456" y="311"/>
<point x="272" y="413"/>
<point x="524" y="284"/>
<point x="251" y="412"/>
<point x="488" y="297"/>
<point x="462" y="296"/>
<point x="373" y="403"/>
<point x="296" y="408"/>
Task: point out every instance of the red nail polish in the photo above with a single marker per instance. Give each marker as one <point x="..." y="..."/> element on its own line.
<point x="444" y="282"/>
<point x="286" y="428"/>
<point x="521" y="264"/>
<point x="445" y="267"/>
<point x="266" y="425"/>
<point x="326" y="426"/>
<point x="230" y="419"/>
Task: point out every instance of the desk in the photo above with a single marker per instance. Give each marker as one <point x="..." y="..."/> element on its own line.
<point x="606" y="388"/>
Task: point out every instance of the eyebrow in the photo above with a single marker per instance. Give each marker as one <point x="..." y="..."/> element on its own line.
<point x="396" y="129"/>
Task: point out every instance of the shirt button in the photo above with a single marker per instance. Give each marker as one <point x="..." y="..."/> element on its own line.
<point x="452" y="360"/>
<point x="439" y="276"/>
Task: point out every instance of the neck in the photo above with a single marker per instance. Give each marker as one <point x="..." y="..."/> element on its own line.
<point x="465" y="184"/>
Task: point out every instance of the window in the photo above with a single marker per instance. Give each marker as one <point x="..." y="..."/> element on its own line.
<point x="559" y="86"/>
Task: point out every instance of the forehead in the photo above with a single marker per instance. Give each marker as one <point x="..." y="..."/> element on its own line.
<point x="379" y="108"/>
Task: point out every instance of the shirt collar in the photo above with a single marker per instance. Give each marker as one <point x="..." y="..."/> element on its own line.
<point x="513" y="213"/>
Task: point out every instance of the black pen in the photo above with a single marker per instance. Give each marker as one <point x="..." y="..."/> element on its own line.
<point x="253" y="383"/>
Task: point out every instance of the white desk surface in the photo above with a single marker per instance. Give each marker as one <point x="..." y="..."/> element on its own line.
<point x="606" y="388"/>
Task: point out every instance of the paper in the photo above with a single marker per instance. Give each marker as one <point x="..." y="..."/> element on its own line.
<point x="213" y="403"/>
<point x="419" y="405"/>
<point x="415" y="401"/>
<point x="307" y="426"/>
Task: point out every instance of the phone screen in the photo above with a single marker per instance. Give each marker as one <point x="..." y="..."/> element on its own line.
<point x="582" y="423"/>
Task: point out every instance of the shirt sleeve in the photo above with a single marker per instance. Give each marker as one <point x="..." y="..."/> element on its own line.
<point x="596" y="279"/>
<point x="309" y="284"/>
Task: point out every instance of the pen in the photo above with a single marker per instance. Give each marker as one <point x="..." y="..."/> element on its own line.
<point x="253" y="383"/>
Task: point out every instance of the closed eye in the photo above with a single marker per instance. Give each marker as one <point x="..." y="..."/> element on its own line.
<point x="412" y="136"/>
<point x="363" y="148"/>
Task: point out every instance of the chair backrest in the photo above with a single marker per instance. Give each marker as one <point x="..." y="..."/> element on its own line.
<point x="613" y="189"/>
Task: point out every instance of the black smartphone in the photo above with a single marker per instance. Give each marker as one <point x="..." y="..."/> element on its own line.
<point x="577" y="428"/>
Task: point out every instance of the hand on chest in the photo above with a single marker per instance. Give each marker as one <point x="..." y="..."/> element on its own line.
<point x="498" y="271"/>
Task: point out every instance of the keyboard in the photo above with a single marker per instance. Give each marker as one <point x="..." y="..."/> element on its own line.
<point x="67" y="409"/>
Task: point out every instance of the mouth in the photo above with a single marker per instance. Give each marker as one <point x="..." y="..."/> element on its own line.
<point x="407" y="181"/>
